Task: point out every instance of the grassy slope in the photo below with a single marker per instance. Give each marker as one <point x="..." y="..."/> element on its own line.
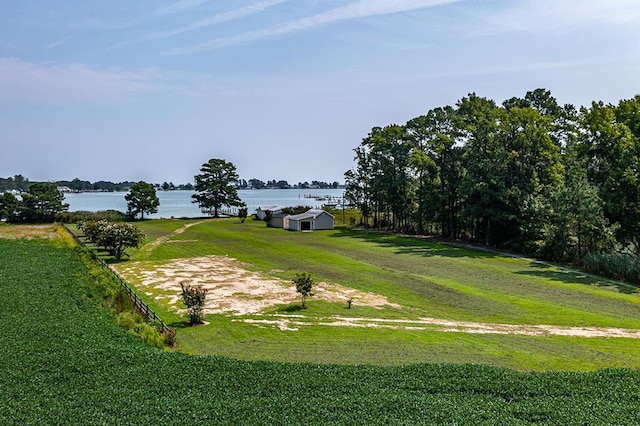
<point x="428" y="279"/>
<point x="65" y="362"/>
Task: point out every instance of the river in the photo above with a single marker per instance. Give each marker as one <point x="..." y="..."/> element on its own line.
<point x="179" y="203"/>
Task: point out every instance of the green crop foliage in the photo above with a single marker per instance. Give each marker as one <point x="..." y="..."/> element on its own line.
<point x="65" y="361"/>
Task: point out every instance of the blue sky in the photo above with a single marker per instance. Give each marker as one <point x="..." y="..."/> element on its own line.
<point x="284" y="89"/>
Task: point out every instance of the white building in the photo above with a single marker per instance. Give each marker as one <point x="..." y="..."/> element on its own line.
<point x="311" y="220"/>
<point x="261" y="212"/>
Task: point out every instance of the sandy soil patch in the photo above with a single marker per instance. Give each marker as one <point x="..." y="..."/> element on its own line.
<point x="433" y="324"/>
<point x="232" y="288"/>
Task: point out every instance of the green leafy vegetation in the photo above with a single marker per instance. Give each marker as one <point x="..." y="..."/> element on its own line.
<point x="114" y="237"/>
<point x="304" y="286"/>
<point x="65" y="361"/>
<point x="216" y="187"/>
<point x="194" y="298"/>
<point x="39" y="204"/>
<point x="142" y="199"/>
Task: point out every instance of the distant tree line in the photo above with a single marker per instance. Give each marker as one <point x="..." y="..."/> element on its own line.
<point x="283" y="184"/>
<point x="530" y="175"/>
<point x="17" y="183"/>
<point x="20" y="184"/>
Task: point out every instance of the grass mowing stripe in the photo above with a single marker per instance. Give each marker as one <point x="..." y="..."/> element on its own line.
<point x="428" y="279"/>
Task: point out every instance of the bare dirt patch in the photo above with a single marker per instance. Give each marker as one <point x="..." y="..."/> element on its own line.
<point x="232" y="288"/>
<point x="288" y="322"/>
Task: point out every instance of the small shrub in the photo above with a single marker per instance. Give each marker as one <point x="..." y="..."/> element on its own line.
<point x="128" y="320"/>
<point x="169" y="336"/>
<point x="193" y="298"/>
<point x="120" y="300"/>
<point x="304" y="285"/>
<point x="150" y="335"/>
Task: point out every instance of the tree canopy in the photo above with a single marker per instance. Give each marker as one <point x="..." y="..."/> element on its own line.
<point x="304" y="286"/>
<point x="528" y="175"/>
<point x="115" y="237"/>
<point x="40" y="203"/>
<point x="215" y="187"/>
<point x="141" y="199"/>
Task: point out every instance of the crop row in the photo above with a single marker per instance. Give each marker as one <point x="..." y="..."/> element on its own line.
<point x="65" y="361"/>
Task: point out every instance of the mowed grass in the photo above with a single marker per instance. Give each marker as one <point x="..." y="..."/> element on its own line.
<point x="424" y="277"/>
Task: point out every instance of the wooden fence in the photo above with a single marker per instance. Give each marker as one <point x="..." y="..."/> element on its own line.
<point x="139" y="304"/>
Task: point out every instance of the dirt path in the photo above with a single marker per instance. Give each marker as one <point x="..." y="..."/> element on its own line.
<point x="152" y="245"/>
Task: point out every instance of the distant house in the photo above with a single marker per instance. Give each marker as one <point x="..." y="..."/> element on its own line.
<point x="261" y="212"/>
<point x="311" y="220"/>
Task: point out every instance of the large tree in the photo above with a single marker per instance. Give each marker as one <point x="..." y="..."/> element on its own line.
<point x="141" y="199"/>
<point x="215" y="187"/>
<point x="611" y="152"/>
<point x="41" y="203"/>
<point x="9" y="207"/>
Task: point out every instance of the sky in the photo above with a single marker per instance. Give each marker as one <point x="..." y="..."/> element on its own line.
<point x="284" y="89"/>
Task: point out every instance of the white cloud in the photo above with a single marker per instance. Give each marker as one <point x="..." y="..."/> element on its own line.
<point x="354" y="10"/>
<point x="206" y="22"/>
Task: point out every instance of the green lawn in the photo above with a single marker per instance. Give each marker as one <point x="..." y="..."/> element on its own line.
<point x="423" y="277"/>
<point x="64" y="361"/>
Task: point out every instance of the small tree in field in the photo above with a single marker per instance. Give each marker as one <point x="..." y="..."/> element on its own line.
<point x="242" y="213"/>
<point x="194" y="298"/>
<point x="304" y="284"/>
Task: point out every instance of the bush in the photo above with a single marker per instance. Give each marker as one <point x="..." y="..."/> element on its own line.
<point x="621" y="267"/>
<point x="83" y="215"/>
<point x="169" y="336"/>
<point x="114" y="237"/>
<point x="193" y="298"/>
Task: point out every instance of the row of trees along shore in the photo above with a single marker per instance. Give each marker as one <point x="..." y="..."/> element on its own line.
<point x="529" y="175"/>
<point x="19" y="184"/>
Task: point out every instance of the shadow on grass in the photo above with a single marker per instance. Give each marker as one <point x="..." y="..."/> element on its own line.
<point x="180" y="324"/>
<point x="290" y="308"/>
<point x="567" y="276"/>
<point x="417" y="245"/>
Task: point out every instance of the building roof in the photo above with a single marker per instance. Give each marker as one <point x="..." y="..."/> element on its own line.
<point x="270" y="208"/>
<point x="310" y="214"/>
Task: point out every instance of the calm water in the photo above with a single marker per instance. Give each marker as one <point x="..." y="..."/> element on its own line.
<point x="178" y="203"/>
